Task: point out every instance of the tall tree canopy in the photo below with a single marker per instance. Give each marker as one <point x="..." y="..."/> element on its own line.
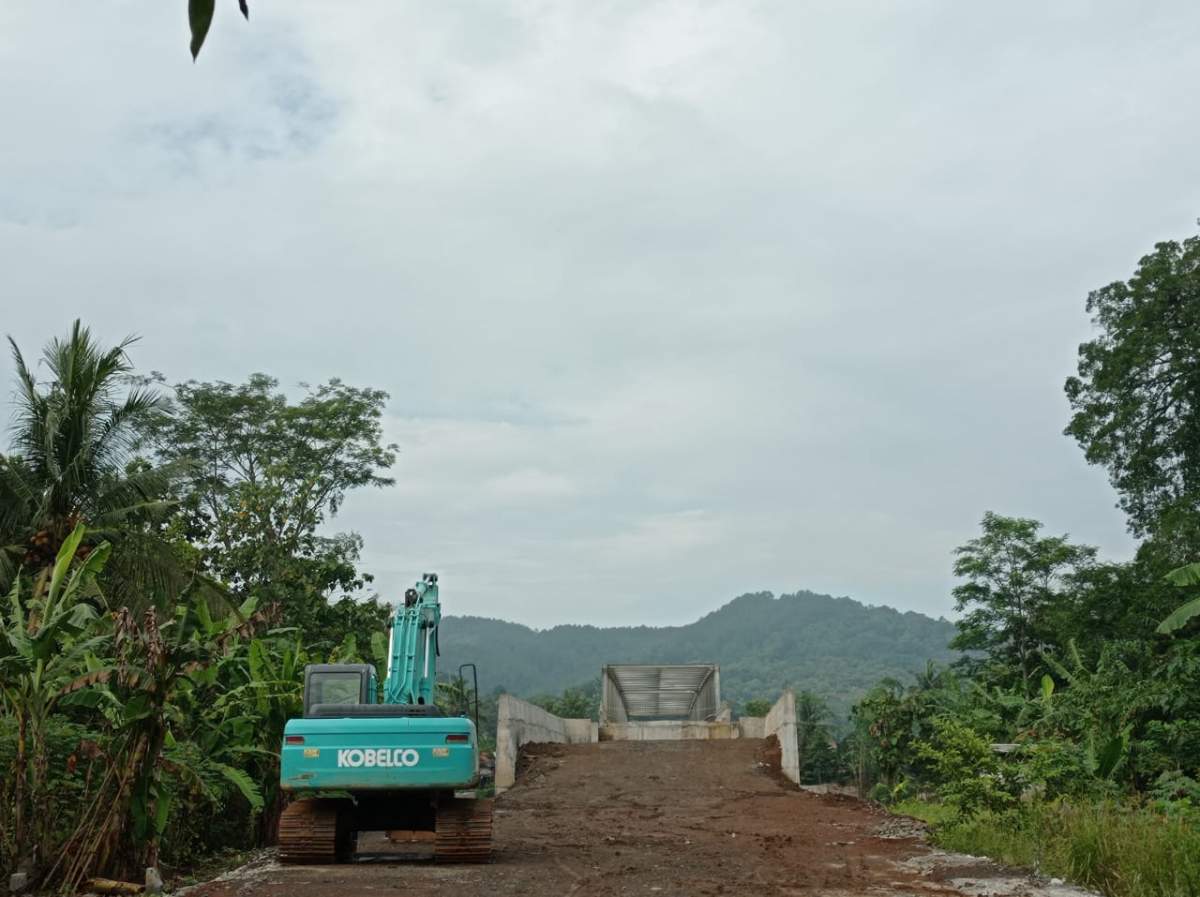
<point x="1014" y="584"/>
<point x="267" y="474"/>
<point x="1136" y="398"/>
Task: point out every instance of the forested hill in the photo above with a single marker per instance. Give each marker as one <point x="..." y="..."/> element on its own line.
<point x="835" y="647"/>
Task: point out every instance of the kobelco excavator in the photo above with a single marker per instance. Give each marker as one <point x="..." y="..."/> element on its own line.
<point x="354" y="764"/>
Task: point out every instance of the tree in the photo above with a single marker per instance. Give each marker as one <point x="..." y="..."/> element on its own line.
<point x="266" y="473"/>
<point x="73" y="461"/>
<point x="1136" y="398"/>
<point x="964" y="767"/>
<point x="580" y="702"/>
<point x="756" y="707"/>
<point x="1015" y="582"/>
<point x="818" y="750"/>
<point x="1115" y="601"/>
<point x="884" y="723"/>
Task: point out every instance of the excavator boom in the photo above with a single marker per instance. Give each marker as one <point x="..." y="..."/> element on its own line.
<point x="412" y="646"/>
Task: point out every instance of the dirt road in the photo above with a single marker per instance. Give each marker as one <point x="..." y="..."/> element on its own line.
<point x="658" y="819"/>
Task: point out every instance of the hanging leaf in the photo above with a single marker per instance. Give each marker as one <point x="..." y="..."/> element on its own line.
<point x="200" y="13"/>
<point x="257" y="658"/>
<point x="240" y="780"/>
<point x="95" y="677"/>
<point x="379" y="650"/>
<point x="137" y="813"/>
<point x="347" y="651"/>
<point x="16" y="631"/>
<point x="1058" y="668"/>
<point x="66" y="554"/>
<point x="246" y="609"/>
<point x="162" y="811"/>
<point x="245" y="8"/>
<point x="1185" y="576"/>
<point x="1047" y="688"/>
<point x="1111" y="755"/>
<point x="1180" y="617"/>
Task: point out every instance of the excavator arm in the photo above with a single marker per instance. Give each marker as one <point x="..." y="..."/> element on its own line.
<point x="413" y="646"/>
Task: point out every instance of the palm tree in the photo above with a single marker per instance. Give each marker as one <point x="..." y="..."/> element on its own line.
<point x="74" y="461"/>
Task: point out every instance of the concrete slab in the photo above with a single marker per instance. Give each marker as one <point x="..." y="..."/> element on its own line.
<point x="668" y="730"/>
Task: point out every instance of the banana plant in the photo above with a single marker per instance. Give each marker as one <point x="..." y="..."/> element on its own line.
<point x="1097" y="709"/>
<point x="146" y="693"/>
<point x="1181" y="616"/>
<point x="263" y="690"/>
<point x="46" y="642"/>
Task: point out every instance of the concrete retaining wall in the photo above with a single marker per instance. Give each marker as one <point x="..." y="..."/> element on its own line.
<point x="519" y="722"/>
<point x="752" y="726"/>
<point x="781" y="722"/>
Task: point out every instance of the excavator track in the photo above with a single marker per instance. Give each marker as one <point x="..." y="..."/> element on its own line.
<point x="464" y="831"/>
<point x="316" y="831"/>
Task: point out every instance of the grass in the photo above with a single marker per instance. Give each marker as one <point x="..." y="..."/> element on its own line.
<point x="1118" y="849"/>
<point x="927" y="811"/>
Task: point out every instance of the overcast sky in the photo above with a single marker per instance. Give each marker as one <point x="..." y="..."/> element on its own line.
<point x="674" y="300"/>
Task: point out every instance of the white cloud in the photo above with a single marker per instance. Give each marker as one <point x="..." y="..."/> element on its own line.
<point x="528" y="485"/>
<point x="681" y="296"/>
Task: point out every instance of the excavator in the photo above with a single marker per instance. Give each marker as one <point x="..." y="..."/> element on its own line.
<point x="356" y="764"/>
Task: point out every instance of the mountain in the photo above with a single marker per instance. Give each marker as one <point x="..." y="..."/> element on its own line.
<point x="836" y="647"/>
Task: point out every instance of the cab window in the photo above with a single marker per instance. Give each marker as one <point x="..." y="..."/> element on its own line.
<point x="334" y="688"/>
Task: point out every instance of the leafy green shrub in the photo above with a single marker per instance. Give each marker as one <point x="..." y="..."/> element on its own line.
<point x="582" y="702"/>
<point x="880" y="793"/>
<point x="1176" y="794"/>
<point x="756" y="707"/>
<point x="1056" y="768"/>
<point x="964" y="767"/>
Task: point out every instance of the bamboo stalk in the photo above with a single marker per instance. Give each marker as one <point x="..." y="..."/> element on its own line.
<point x="111" y="886"/>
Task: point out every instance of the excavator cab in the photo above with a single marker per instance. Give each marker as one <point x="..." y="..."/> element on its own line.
<point x="336" y="684"/>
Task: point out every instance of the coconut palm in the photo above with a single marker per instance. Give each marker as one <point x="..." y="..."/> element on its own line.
<point x="73" y="461"/>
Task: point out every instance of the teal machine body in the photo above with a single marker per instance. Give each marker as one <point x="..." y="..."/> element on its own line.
<point x="354" y="763"/>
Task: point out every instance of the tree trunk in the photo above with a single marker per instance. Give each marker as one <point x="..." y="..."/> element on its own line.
<point x="42" y="820"/>
<point x="268" y="820"/>
<point x="152" y="762"/>
<point x="19" y="786"/>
